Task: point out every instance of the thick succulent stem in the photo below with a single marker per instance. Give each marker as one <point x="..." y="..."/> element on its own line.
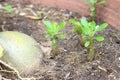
<point x="55" y="48"/>
<point x="91" y="50"/>
<point x="82" y="40"/>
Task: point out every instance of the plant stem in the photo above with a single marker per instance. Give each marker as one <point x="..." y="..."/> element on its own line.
<point x="94" y="12"/>
<point x="82" y="41"/>
<point x="55" y="48"/>
<point x="91" y="50"/>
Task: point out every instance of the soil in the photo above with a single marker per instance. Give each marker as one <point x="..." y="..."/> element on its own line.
<point x="71" y="63"/>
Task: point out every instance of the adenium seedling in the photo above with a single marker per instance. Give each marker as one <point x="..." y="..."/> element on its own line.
<point x="87" y="31"/>
<point x="8" y="8"/>
<point x="93" y="9"/>
<point x="53" y="32"/>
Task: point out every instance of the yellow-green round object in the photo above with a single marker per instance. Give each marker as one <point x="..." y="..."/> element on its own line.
<point x="20" y="51"/>
<point x="1" y="51"/>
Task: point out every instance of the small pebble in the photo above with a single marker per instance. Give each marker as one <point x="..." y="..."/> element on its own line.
<point x="31" y="6"/>
<point x="1" y="6"/>
<point x="119" y="58"/>
<point x="22" y="14"/>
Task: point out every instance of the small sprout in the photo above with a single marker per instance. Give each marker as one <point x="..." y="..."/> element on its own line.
<point x="8" y="8"/>
<point x="77" y="24"/>
<point x="78" y="30"/>
<point x="53" y="32"/>
<point x="89" y="30"/>
<point x="93" y="9"/>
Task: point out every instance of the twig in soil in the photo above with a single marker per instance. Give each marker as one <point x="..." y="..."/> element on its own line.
<point x="29" y="9"/>
<point x="35" y="16"/>
<point x="7" y="71"/>
<point x="103" y="69"/>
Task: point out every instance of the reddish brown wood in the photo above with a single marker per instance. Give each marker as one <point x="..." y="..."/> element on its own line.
<point x="110" y="12"/>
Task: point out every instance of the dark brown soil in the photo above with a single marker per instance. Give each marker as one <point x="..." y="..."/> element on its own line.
<point x="71" y="63"/>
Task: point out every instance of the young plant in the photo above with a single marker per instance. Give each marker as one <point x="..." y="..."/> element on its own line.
<point x="87" y="31"/>
<point x="53" y="32"/>
<point x="78" y="30"/>
<point x="9" y="9"/>
<point x="93" y="9"/>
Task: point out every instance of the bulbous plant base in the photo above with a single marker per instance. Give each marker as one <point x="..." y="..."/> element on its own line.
<point x="20" y="51"/>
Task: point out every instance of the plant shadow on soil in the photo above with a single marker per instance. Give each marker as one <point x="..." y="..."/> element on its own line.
<point x="71" y="63"/>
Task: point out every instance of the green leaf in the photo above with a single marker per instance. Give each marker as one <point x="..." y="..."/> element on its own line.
<point x="84" y="22"/>
<point x="55" y="28"/>
<point x="99" y="38"/>
<point x="62" y="36"/>
<point x="92" y="25"/>
<point x="74" y="22"/>
<point x="90" y="1"/>
<point x="78" y="30"/>
<point x="50" y="30"/>
<point x="8" y="8"/>
<point x="102" y="2"/>
<point x="85" y="28"/>
<point x="78" y="26"/>
<point x="48" y="24"/>
<point x="101" y="27"/>
<point x="54" y="41"/>
<point x="61" y="26"/>
<point x="87" y="44"/>
<point x="92" y="9"/>
<point x="48" y="35"/>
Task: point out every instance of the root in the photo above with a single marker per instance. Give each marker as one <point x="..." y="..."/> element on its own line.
<point x="14" y="71"/>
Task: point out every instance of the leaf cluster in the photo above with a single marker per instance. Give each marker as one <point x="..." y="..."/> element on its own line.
<point x="8" y="8"/>
<point x="53" y="30"/>
<point x="88" y="30"/>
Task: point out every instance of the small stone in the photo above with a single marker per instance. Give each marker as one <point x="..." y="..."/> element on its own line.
<point x="119" y="58"/>
<point x="31" y="6"/>
<point x="22" y="14"/>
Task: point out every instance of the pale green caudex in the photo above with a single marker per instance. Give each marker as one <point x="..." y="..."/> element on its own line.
<point x="87" y="31"/>
<point x="8" y="8"/>
<point x="20" y="51"/>
<point x="94" y="4"/>
<point x="53" y="32"/>
<point x="1" y="51"/>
